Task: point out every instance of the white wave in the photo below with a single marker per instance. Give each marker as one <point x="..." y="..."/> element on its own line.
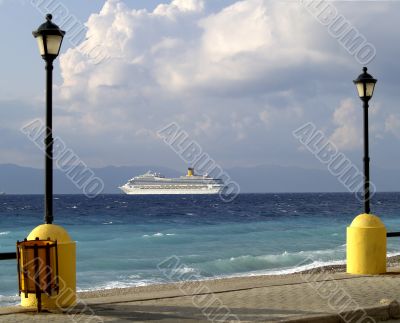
<point x="4" y="233"/>
<point x="158" y="234"/>
<point x="293" y="270"/>
<point x="120" y="284"/>
<point x="134" y="276"/>
<point x="310" y="254"/>
<point x="277" y="272"/>
<point x="133" y="282"/>
<point x="107" y="223"/>
<point x="393" y="253"/>
<point x="9" y="300"/>
<point x="186" y="270"/>
<point x="304" y="262"/>
<point x="273" y="264"/>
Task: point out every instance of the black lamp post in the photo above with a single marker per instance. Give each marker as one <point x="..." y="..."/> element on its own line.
<point x="49" y="37"/>
<point x="365" y="84"/>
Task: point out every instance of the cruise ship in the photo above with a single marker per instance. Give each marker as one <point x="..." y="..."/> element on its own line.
<point x="157" y="184"/>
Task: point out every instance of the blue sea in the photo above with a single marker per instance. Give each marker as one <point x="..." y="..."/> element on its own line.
<point x="121" y="239"/>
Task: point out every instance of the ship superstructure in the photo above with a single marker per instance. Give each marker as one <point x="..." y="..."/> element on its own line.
<point x="155" y="183"/>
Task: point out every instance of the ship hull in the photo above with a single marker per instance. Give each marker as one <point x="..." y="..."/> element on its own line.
<point x="141" y="191"/>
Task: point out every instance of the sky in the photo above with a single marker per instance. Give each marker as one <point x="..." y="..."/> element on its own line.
<point x="238" y="76"/>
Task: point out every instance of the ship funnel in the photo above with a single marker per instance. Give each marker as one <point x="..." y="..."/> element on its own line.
<point x="190" y="172"/>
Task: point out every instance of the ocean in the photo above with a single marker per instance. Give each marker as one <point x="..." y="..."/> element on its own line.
<point x="121" y="239"/>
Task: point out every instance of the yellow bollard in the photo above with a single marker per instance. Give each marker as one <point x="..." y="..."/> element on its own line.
<point x="66" y="268"/>
<point x="366" y="246"/>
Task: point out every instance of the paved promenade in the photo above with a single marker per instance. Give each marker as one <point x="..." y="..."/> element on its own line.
<point x="319" y="296"/>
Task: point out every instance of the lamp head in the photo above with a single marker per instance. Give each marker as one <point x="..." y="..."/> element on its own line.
<point x="49" y="37"/>
<point x="365" y="84"/>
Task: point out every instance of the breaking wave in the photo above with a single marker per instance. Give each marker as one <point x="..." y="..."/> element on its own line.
<point x="158" y="234"/>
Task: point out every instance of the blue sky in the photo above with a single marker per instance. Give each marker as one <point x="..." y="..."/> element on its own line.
<point x="238" y="76"/>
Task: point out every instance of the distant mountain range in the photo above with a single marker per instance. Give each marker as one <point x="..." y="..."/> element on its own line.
<point x="16" y="179"/>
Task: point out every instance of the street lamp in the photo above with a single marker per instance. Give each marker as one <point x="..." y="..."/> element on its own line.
<point x="365" y="84"/>
<point x="49" y="37"/>
<point x="366" y="244"/>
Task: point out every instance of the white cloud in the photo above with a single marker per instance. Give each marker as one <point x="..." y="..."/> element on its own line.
<point x="243" y="44"/>
<point x="232" y="74"/>
<point x="154" y="57"/>
<point x="270" y="115"/>
<point x="392" y="124"/>
<point x="178" y="6"/>
<point x="244" y="27"/>
<point x="348" y="134"/>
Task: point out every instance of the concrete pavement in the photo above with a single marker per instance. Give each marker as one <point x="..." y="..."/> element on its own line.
<point x="319" y="296"/>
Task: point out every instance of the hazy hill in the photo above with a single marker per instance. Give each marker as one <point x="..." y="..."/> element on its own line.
<point x="25" y="180"/>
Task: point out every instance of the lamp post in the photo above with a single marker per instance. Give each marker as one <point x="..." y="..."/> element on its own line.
<point x="365" y="84"/>
<point x="49" y="37"/>
<point x="366" y="235"/>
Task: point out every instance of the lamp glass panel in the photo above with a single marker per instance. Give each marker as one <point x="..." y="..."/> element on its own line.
<point x="360" y="89"/>
<point x="53" y="44"/>
<point x="370" y="89"/>
<point x="40" y="44"/>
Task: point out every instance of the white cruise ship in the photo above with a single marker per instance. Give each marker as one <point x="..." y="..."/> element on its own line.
<point x="157" y="184"/>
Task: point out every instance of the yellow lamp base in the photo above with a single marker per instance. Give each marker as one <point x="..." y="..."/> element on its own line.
<point x="366" y="246"/>
<point x="66" y="268"/>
